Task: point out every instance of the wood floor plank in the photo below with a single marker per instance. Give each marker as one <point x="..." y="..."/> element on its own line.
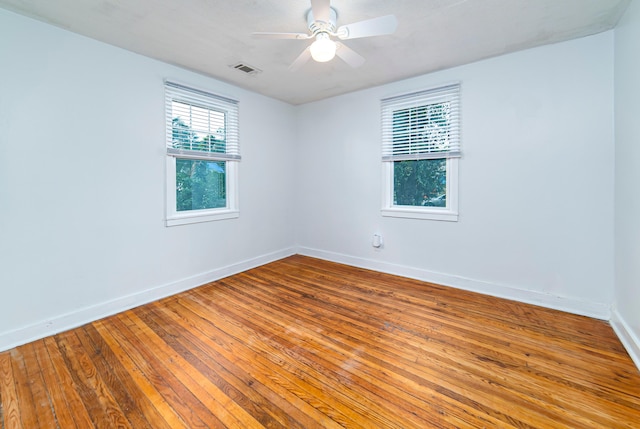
<point x="26" y="403"/>
<point x="220" y="371"/>
<point x="59" y="405"/>
<point x="194" y="333"/>
<point x="72" y="396"/>
<point x="144" y="388"/>
<point x="8" y="395"/>
<point x="248" y="360"/>
<point x="306" y="343"/>
<point x="102" y="407"/>
<point x="42" y="403"/>
<point x="273" y="354"/>
<point x="189" y="408"/>
<point x="125" y="393"/>
<point x="227" y="411"/>
<point x="165" y="372"/>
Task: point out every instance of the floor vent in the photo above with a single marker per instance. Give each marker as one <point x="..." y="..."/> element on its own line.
<point x="246" y="68"/>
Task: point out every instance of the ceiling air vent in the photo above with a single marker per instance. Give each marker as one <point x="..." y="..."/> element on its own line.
<point x="245" y="68"/>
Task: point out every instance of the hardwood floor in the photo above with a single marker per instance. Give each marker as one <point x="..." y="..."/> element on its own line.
<point x="305" y="343"/>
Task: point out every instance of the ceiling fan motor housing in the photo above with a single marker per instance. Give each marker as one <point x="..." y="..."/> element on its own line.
<point x="322" y="27"/>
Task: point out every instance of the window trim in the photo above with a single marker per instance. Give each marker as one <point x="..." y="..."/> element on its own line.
<point x="417" y="98"/>
<point x="231" y="210"/>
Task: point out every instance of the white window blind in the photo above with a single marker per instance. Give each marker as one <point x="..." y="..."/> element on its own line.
<point x="422" y="125"/>
<point x="201" y="125"/>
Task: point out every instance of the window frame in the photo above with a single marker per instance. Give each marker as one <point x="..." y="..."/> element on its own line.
<point x="182" y="93"/>
<point x="389" y="209"/>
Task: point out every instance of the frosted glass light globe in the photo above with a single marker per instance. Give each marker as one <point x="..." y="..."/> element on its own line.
<point x="323" y="49"/>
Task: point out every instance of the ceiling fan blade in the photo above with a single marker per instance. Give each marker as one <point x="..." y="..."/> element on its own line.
<point x="320" y="9"/>
<point x="301" y="60"/>
<point x="370" y="27"/>
<point x="349" y="56"/>
<point x="266" y="35"/>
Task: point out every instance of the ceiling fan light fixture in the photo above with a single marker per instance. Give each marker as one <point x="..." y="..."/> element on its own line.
<point x="321" y="22"/>
<point x="323" y="49"/>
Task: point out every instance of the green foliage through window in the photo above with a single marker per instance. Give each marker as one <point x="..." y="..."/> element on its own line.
<point x="420" y="182"/>
<point x="200" y="184"/>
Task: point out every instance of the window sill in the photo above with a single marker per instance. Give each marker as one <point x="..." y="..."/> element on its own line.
<point x="421" y="213"/>
<point x="198" y="217"/>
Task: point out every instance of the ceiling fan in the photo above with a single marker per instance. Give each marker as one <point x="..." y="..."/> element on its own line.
<point x="321" y="21"/>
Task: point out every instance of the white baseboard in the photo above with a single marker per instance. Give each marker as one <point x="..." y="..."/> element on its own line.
<point x="628" y="338"/>
<point x="64" y="322"/>
<point x="85" y="315"/>
<point x="584" y="308"/>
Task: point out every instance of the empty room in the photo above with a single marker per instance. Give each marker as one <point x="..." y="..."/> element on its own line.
<point x="319" y="214"/>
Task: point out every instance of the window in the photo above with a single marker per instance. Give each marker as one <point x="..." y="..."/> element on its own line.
<point x="202" y="155"/>
<point x="420" y="152"/>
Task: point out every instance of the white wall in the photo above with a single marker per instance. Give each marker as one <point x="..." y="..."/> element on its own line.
<point x="82" y="183"/>
<point x="536" y="180"/>
<point x="626" y="312"/>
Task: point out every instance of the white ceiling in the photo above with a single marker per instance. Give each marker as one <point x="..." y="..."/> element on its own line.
<point x="208" y="36"/>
